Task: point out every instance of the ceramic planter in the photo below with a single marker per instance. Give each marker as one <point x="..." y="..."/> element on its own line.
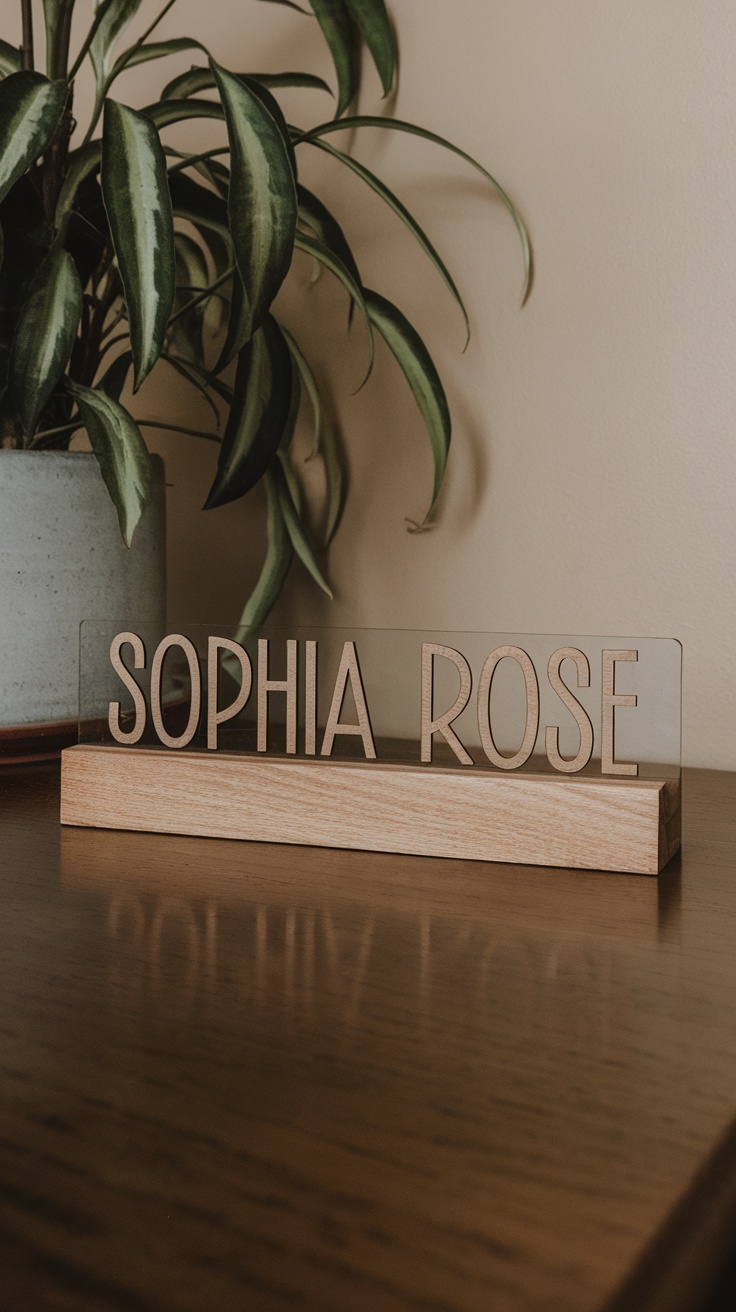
<point x="63" y="560"/>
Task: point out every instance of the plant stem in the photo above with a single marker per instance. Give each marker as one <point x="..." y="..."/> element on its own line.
<point x="57" y="50"/>
<point x="26" y="50"/>
<point x="54" y="166"/>
<point x="178" y="428"/>
<point x="98" y="19"/>
<point x="188" y="160"/>
<point x="118" y="68"/>
<point x="40" y="438"/>
<point x="204" y="295"/>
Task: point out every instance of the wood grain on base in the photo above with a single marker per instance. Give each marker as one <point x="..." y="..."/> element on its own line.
<point x="587" y="823"/>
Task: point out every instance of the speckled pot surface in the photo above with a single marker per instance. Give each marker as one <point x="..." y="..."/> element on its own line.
<point x="63" y="560"/>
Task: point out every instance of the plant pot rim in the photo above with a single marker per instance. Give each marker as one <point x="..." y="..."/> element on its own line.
<point x="62" y="455"/>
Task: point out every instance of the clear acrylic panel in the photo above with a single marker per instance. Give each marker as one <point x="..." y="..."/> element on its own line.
<point x="386" y="666"/>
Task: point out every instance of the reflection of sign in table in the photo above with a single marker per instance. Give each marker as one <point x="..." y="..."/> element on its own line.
<point x="391" y="742"/>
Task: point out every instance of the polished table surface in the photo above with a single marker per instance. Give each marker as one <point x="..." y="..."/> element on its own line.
<point x="236" y="1076"/>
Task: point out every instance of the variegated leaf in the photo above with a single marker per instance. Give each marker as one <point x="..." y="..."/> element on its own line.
<point x="258" y="415"/>
<point x="279" y="555"/>
<point x="44" y="336"/>
<point x="9" y="59"/>
<point x="325" y="438"/>
<point x="262" y="206"/>
<point x="342" y="38"/>
<point x="374" y="25"/>
<point x="400" y="125"/>
<point x="295" y="529"/>
<point x="412" y="355"/>
<point x="136" y="193"/>
<point x="30" y="110"/>
<point x="403" y="213"/>
<point x="311" y="246"/>
<point x="116" y="18"/>
<point x="121" y="453"/>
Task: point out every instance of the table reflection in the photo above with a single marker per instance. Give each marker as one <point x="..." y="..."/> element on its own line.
<point x="315" y="946"/>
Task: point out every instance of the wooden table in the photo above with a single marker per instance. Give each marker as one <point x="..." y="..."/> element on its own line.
<point x="235" y="1076"/>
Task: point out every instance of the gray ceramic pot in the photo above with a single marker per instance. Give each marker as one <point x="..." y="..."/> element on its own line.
<point x="63" y="560"/>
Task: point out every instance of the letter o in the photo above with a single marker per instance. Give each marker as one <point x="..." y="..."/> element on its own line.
<point x="532" y="708"/>
<point x="176" y="640"/>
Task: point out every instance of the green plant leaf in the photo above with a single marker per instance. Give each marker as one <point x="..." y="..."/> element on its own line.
<point x="334" y="473"/>
<point x="399" y="209"/>
<point x="271" y="104"/>
<point x="272" y="577"/>
<point x="166" y="112"/>
<point x="262" y="205"/>
<point x="9" y="58"/>
<point x="136" y="193"/>
<point x="287" y="436"/>
<point x="295" y="528"/>
<point x="121" y="453"/>
<point x="412" y="355"/>
<point x="239" y="330"/>
<point x="192" y="262"/>
<point x="118" y="15"/>
<point x="258" y="415"/>
<point x="283" y="455"/>
<point x="153" y="50"/>
<point x="116" y="376"/>
<point x="188" y="83"/>
<point x="195" y="80"/>
<point x="320" y="252"/>
<point x="290" y="4"/>
<point x="277" y="80"/>
<point x="30" y="110"/>
<point x="341" y="36"/>
<point x="325" y="439"/>
<point x="313" y="214"/>
<point x="398" y="125"/>
<point x="45" y="336"/>
<point x="373" y="23"/>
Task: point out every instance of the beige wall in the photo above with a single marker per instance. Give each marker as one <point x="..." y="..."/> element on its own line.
<point x="592" y="481"/>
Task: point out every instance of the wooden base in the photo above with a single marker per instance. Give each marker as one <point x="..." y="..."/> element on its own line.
<point x="590" y="823"/>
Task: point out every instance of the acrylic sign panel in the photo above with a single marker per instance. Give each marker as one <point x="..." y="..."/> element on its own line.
<point x="493" y="701"/>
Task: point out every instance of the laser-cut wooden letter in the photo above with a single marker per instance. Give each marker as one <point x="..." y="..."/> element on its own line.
<point x="215" y="717"/>
<point x="349" y="669"/>
<point x="431" y="726"/>
<point x="532" y="708"/>
<point x="190" y="651"/>
<point x="569" y="764"/>
<point x="266" y="686"/>
<point x="310" y="698"/>
<point x="139" y="701"/>
<point x="609" y="700"/>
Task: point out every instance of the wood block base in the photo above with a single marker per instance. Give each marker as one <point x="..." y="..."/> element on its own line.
<point x="592" y="823"/>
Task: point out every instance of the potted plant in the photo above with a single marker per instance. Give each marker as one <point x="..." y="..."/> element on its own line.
<point x="121" y="253"/>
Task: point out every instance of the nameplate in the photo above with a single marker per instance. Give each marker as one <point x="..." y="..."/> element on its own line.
<point x="408" y="706"/>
